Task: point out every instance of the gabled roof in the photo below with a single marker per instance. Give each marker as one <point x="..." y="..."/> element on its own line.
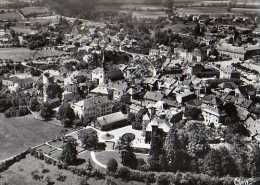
<point x="101" y="90"/>
<point x="112" y="118"/>
<point x="94" y="101"/>
<point x="153" y="95"/>
<point x="243" y="102"/>
<point x="212" y="100"/>
<point x="229" y="85"/>
<point x="161" y="124"/>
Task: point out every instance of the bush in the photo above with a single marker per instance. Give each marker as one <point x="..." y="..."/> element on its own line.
<point x="124" y="173"/>
<point x="112" y="165"/>
<point x="36" y="176"/>
<point x="34" y="105"/>
<point x="163" y="180"/>
<point x="140" y="162"/>
<point x="45" y="170"/>
<point x="101" y="146"/>
<point x="45" y="111"/>
<point x="84" y="181"/>
<point x="11" y="112"/>
<point x="61" y="178"/>
<point x="144" y="168"/>
<point x="88" y="138"/>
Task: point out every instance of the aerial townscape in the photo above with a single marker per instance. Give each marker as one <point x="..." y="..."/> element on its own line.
<point x="129" y="92"/>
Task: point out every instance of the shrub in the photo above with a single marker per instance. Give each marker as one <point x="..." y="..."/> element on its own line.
<point x="145" y="168"/>
<point x="61" y="178"/>
<point x="124" y="173"/>
<point x="45" y="170"/>
<point x="11" y="112"/>
<point x="101" y="146"/>
<point x="163" y="180"/>
<point x="112" y="165"/>
<point x="84" y="181"/>
<point x="140" y="162"/>
<point x="88" y="138"/>
<point x="36" y="176"/>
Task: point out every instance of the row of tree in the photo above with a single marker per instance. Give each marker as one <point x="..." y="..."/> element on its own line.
<point x="187" y="149"/>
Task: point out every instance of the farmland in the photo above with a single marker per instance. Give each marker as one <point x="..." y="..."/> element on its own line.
<point x="10" y="16"/>
<point x="35" y="11"/>
<point x="17" y="134"/>
<point x="20" y="54"/>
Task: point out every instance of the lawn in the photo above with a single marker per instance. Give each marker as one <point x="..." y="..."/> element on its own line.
<point x="21" y="174"/>
<point x="17" y="134"/>
<point x="105" y="156"/>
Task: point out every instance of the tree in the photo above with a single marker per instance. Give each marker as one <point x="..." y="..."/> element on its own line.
<point x="5" y="104"/>
<point x="84" y="181"/>
<point x="212" y="163"/>
<point x="198" y="145"/>
<point x="89" y="166"/>
<point x="231" y="111"/>
<point x="163" y="180"/>
<point x="127" y="155"/>
<point x="65" y="112"/>
<point x="54" y="91"/>
<point x="88" y="138"/>
<point x="123" y="172"/>
<point x="156" y="149"/>
<point x="175" y="149"/>
<point x="197" y="30"/>
<point x="69" y="152"/>
<point x="45" y="111"/>
<point x="228" y="163"/>
<point x="220" y="163"/>
<point x="34" y="104"/>
<point x="112" y="165"/>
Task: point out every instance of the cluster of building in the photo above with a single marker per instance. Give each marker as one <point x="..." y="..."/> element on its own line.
<point x="156" y="96"/>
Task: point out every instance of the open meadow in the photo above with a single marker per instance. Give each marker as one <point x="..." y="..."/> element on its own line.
<point x="21" y="54"/>
<point x="17" y="134"/>
<point x="32" y="171"/>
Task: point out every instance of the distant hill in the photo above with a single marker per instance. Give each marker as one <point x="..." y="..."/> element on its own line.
<point x="161" y="1"/>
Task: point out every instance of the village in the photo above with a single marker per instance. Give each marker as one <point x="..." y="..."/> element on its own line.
<point x="127" y="95"/>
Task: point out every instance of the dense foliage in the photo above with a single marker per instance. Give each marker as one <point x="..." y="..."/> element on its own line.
<point x="69" y="152"/>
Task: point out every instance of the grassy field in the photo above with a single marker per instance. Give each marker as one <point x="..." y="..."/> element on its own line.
<point x="29" y="11"/>
<point x="10" y="16"/>
<point x="20" y="54"/>
<point x="17" y="134"/>
<point x="21" y="174"/>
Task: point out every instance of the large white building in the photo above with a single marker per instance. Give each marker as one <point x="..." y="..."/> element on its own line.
<point x="93" y="107"/>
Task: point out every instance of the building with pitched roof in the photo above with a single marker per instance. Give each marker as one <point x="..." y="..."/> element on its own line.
<point x="93" y="107"/>
<point x="212" y="110"/>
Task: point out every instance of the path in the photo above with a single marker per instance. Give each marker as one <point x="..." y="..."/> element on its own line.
<point x="94" y="159"/>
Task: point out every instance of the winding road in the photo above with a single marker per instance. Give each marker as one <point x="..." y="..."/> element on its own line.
<point x="94" y="159"/>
